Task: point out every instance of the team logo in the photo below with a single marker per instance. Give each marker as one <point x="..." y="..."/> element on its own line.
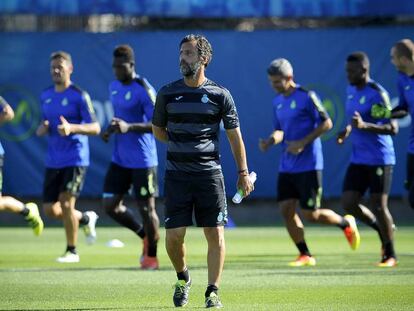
<point x="279" y="106"/>
<point x="333" y="105"/>
<point x="178" y="98"/>
<point x="65" y="102"/>
<point x="220" y="217"/>
<point x="407" y="87"/>
<point x="362" y="100"/>
<point x="293" y="104"/>
<point x="26" y="113"/>
<point x="379" y="171"/>
<point x="204" y="99"/>
<point x="114" y="92"/>
<point x="128" y="95"/>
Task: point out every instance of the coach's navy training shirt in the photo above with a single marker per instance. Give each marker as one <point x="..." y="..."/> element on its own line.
<point x="76" y="107"/>
<point x="132" y="104"/>
<point x="192" y="117"/>
<point x="369" y="148"/>
<point x="406" y="95"/>
<point x="297" y="115"/>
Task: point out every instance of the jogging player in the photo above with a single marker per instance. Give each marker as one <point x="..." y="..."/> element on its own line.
<point x="187" y="117"/>
<point x="29" y="211"/>
<point x="299" y="119"/>
<point x="134" y="158"/>
<point x="372" y="157"/>
<point x="68" y="117"/>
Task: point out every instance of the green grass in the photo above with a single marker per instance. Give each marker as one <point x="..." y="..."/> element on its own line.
<point x="255" y="277"/>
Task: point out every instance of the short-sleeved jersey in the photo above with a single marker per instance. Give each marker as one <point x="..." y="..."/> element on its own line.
<point x="132" y="103"/>
<point x="406" y="101"/>
<point x="369" y="148"/>
<point x="192" y="117"/>
<point x="76" y="107"/>
<point x="297" y="115"/>
<point x="3" y="105"/>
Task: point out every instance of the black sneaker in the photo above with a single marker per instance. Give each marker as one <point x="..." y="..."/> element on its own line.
<point x="181" y="291"/>
<point x="213" y="301"/>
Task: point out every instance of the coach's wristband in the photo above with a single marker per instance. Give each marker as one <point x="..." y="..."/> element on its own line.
<point x="243" y="172"/>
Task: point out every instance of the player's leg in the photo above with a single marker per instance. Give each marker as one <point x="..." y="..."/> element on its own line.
<point x="380" y="186"/>
<point x="178" y="216"/>
<point x="409" y="182"/>
<point x="117" y="182"/>
<point x="288" y="196"/>
<point x="146" y="189"/>
<point x="29" y="211"/>
<point x="211" y="213"/>
<point x="310" y="187"/>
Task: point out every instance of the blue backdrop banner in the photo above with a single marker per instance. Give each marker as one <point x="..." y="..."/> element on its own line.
<point x="239" y="63"/>
<point x="212" y="8"/>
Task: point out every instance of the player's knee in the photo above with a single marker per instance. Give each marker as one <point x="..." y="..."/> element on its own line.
<point x="311" y="216"/>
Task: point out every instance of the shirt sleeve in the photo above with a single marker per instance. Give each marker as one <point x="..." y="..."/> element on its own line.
<point x="229" y="112"/>
<point x="147" y="106"/>
<point x="317" y="110"/>
<point x="276" y="123"/>
<point x="402" y="102"/>
<point x="160" y="117"/>
<point x="86" y="108"/>
<point x="3" y="104"/>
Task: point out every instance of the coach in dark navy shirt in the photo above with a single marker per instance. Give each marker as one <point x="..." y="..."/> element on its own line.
<point x="187" y="117"/>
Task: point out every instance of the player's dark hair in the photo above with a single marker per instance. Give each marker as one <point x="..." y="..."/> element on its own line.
<point x="125" y="51"/>
<point x="203" y="46"/>
<point x="360" y="57"/>
<point x="405" y="47"/>
<point x="61" y="54"/>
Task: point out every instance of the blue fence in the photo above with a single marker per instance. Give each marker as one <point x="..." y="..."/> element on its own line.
<point x="239" y="63"/>
<point x="212" y="8"/>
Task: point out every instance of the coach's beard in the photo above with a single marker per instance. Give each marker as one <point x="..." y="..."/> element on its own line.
<point x="190" y="70"/>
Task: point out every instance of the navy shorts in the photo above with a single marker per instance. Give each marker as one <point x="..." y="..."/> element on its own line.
<point x="66" y="179"/>
<point x="361" y="177"/>
<point x="304" y="186"/>
<point x="205" y="197"/>
<point x="119" y="179"/>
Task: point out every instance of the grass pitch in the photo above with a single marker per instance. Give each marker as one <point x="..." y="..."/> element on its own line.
<point x="256" y="275"/>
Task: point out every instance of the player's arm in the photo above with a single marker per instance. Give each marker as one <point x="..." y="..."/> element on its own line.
<point x="342" y="135"/>
<point x="276" y="137"/>
<point x="239" y="154"/>
<point x="390" y="128"/>
<point x="65" y="128"/>
<point x="43" y="128"/>
<point x="89" y="126"/>
<point x="160" y="133"/>
<point x="7" y="112"/>
<point x="297" y="146"/>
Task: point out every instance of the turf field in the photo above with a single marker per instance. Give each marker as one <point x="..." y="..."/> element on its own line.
<point x="256" y="276"/>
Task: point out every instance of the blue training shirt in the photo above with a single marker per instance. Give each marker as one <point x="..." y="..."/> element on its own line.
<point x="297" y="115"/>
<point x="76" y="107"/>
<point x="132" y="103"/>
<point x="369" y="148"/>
<point x="406" y="102"/>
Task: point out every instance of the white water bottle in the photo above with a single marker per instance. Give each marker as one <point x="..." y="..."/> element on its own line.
<point x="238" y="197"/>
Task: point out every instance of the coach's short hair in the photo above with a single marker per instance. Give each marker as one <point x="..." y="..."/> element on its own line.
<point x="61" y="54"/>
<point x="360" y="57"/>
<point x="405" y="47"/>
<point x="280" y="67"/>
<point x="125" y="51"/>
<point x="203" y="46"/>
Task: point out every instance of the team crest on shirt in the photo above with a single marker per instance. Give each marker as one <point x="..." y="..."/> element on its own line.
<point x="362" y="100"/>
<point x="293" y="104"/>
<point x="128" y="95"/>
<point x="407" y="87"/>
<point x="65" y="102"/>
<point x="48" y="101"/>
<point x="279" y="106"/>
<point x="114" y="92"/>
<point x="310" y="202"/>
<point x="204" y="99"/>
<point x="350" y="96"/>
